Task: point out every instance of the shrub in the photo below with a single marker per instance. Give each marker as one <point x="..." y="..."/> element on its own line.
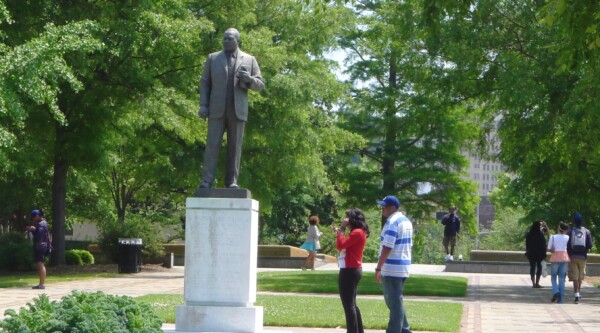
<point x="83" y="312"/>
<point x="72" y="258"/>
<point x="133" y="227"/>
<point x="78" y="257"/>
<point x="86" y="256"/>
<point x="16" y="252"/>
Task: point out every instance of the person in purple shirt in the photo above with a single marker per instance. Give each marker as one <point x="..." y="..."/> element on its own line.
<point x="41" y="244"/>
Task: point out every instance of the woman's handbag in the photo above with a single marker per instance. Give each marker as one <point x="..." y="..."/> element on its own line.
<point x="544" y="268"/>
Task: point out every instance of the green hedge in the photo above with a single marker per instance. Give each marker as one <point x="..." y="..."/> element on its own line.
<point x="16" y="252"/>
<point x="83" y="312"/>
<point x="86" y="257"/>
<point x="79" y="257"/>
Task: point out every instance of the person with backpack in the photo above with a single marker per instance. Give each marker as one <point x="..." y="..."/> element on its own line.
<point x="580" y="243"/>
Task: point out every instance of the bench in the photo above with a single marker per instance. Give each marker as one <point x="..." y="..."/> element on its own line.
<point x="508" y="262"/>
<point x="285" y="256"/>
<point x="516" y="256"/>
<point x="269" y="256"/>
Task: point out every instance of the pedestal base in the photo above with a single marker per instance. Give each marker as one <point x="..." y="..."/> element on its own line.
<point x="219" y="319"/>
<point x="221" y="250"/>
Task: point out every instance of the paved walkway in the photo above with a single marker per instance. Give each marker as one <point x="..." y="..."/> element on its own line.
<point x="495" y="302"/>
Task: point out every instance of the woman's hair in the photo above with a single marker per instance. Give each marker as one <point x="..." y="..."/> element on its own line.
<point x="313" y="220"/>
<point x="356" y="219"/>
<point x="563" y="226"/>
<point x="535" y="227"/>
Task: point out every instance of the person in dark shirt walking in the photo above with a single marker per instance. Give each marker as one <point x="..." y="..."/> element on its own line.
<point x="451" y="224"/>
<point x="535" y="250"/>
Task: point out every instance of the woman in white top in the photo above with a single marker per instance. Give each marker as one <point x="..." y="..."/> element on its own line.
<point x="559" y="262"/>
<point x="312" y="244"/>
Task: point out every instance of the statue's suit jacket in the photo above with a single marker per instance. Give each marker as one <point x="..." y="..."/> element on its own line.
<point x="213" y="86"/>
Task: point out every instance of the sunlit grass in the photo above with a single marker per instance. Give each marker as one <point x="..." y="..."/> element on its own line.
<point x="327" y="282"/>
<point x="327" y="311"/>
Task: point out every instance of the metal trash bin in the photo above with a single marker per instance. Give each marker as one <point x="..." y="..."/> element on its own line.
<point x="130" y="255"/>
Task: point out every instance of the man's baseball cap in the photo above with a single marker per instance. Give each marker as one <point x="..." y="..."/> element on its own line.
<point x="35" y="212"/>
<point x="390" y="200"/>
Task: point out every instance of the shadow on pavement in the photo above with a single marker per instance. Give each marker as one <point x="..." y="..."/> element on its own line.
<point x="521" y="292"/>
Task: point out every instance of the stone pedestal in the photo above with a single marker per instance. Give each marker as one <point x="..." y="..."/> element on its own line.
<point x="221" y="241"/>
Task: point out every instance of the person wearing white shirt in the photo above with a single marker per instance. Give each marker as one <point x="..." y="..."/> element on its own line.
<point x="559" y="262"/>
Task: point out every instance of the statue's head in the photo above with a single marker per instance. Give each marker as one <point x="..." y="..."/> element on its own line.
<point x="231" y="39"/>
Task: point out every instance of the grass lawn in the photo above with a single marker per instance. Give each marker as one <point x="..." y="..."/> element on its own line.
<point x="326" y="311"/>
<point x="327" y="282"/>
<point x="31" y="279"/>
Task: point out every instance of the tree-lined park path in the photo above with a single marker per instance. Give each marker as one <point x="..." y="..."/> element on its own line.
<point x="494" y="303"/>
<point x="507" y="303"/>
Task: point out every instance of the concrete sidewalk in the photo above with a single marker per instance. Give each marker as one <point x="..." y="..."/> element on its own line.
<point x="495" y="302"/>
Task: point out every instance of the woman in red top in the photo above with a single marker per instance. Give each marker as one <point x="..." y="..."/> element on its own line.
<point x="350" y="262"/>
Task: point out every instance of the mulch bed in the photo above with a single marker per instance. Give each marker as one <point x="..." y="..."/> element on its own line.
<point x="113" y="268"/>
<point x="592" y="280"/>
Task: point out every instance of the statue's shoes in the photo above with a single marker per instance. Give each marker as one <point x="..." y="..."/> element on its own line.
<point x="205" y="184"/>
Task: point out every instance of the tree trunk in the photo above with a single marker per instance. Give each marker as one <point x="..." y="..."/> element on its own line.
<point x="389" y="151"/>
<point x="118" y="189"/>
<point x="59" y="198"/>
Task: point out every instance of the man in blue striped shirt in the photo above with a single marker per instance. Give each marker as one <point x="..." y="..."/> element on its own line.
<point x="394" y="260"/>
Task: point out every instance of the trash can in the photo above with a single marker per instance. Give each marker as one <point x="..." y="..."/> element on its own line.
<point x="130" y="255"/>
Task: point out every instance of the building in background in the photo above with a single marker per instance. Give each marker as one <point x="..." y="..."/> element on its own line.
<point x="484" y="172"/>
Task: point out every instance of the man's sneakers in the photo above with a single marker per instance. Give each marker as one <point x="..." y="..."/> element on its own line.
<point x="39" y="286"/>
<point x="449" y="257"/>
<point x="577" y="298"/>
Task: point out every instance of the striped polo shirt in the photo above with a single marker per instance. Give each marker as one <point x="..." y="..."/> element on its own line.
<point x="397" y="235"/>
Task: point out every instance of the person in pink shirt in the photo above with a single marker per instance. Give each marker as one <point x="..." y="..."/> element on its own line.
<point x="351" y="249"/>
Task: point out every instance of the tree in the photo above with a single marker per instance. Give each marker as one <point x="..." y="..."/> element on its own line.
<point x="532" y="65"/>
<point x="546" y="102"/>
<point x="415" y="131"/>
<point x="32" y="70"/>
<point x="146" y="47"/>
<point x="508" y="231"/>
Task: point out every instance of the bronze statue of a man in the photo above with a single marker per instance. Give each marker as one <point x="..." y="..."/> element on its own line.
<point x="227" y="76"/>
